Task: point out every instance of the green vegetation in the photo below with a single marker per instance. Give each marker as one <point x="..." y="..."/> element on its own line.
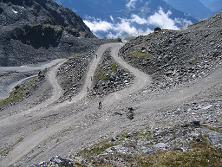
<point x="141" y="55"/>
<point x="96" y="149"/>
<point x="202" y="154"/>
<point x="4" y="151"/>
<point x="145" y="135"/>
<point x="194" y="61"/>
<point x="114" y="68"/>
<point x="19" y="93"/>
<point x="198" y="157"/>
<point x="103" y="76"/>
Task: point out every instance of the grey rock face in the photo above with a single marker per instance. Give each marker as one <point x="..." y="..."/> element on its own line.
<point x="39" y="30"/>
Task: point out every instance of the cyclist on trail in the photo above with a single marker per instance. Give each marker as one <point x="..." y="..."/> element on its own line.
<point x="100" y="105"/>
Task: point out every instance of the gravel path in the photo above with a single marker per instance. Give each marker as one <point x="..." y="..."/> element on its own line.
<point x="57" y="92"/>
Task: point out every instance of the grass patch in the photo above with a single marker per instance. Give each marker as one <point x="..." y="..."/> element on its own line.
<point x="114" y="68"/>
<point x="198" y="157"/>
<point x="19" y="93"/>
<point x="103" y="76"/>
<point x="202" y="154"/>
<point x="145" y="135"/>
<point x="96" y="149"/>
<point x="141" y="55"/>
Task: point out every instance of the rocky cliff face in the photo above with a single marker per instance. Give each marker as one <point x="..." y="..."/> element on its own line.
<point x="31" y="30"/>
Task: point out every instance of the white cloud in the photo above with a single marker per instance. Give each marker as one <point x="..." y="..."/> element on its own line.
<point x="163" y="20"/>
<point x="183" y="22"/>
<point x="125" y="27"/>
<point x="135" y="25"/>
<point x="98" y="25"/>
<point x="131" y="4"/>
<point x="138" y="20"/>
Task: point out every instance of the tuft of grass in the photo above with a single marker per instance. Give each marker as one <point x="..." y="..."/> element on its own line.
<point x="104" y="76"/>
<point x="145" y="135"/>
<point x="4" y="151"/>
<point x="19" y="93"/>
<point x="141" y="55"/>
<point x="114" y="68"/>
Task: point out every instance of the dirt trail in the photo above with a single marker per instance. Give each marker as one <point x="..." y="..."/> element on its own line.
<point x="56" y="94"/>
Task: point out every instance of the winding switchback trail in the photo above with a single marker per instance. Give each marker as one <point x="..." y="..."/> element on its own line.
<point x="7" y="89"/>
<point x="141" y="79"/>
<point x="56" y="94"/>
<point x="34" y="139"/>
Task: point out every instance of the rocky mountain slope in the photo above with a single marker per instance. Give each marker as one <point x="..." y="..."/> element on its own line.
<point x="160" y="105"/>
<point x="188" y="132"/>
<point x="177" y="57"/>
<point x="38" y="30"/>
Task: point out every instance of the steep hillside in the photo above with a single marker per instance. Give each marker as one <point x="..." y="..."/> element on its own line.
<point x="38" y="30"/>
<point x="177" y="57"/>
<point x="212" y="23"/>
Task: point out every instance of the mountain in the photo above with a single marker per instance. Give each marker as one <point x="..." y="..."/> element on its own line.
<point x="181" y="56"/>
<point x="128" y="17"/>
<point x="36" y="30"/>
<point x="192" y="7"/>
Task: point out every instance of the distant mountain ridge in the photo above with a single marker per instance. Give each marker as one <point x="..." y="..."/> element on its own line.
<point x="214" y="5"/>
<point x="194" y="8"/>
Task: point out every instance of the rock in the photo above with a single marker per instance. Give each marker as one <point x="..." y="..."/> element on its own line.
<point x="207" y="107"/>
<point x="161" y="146"/>
<point x="196" y="123"/>
<point x="157" y="29"/>
<point x="62" y="162"/>
<point x="130" y="113"/>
